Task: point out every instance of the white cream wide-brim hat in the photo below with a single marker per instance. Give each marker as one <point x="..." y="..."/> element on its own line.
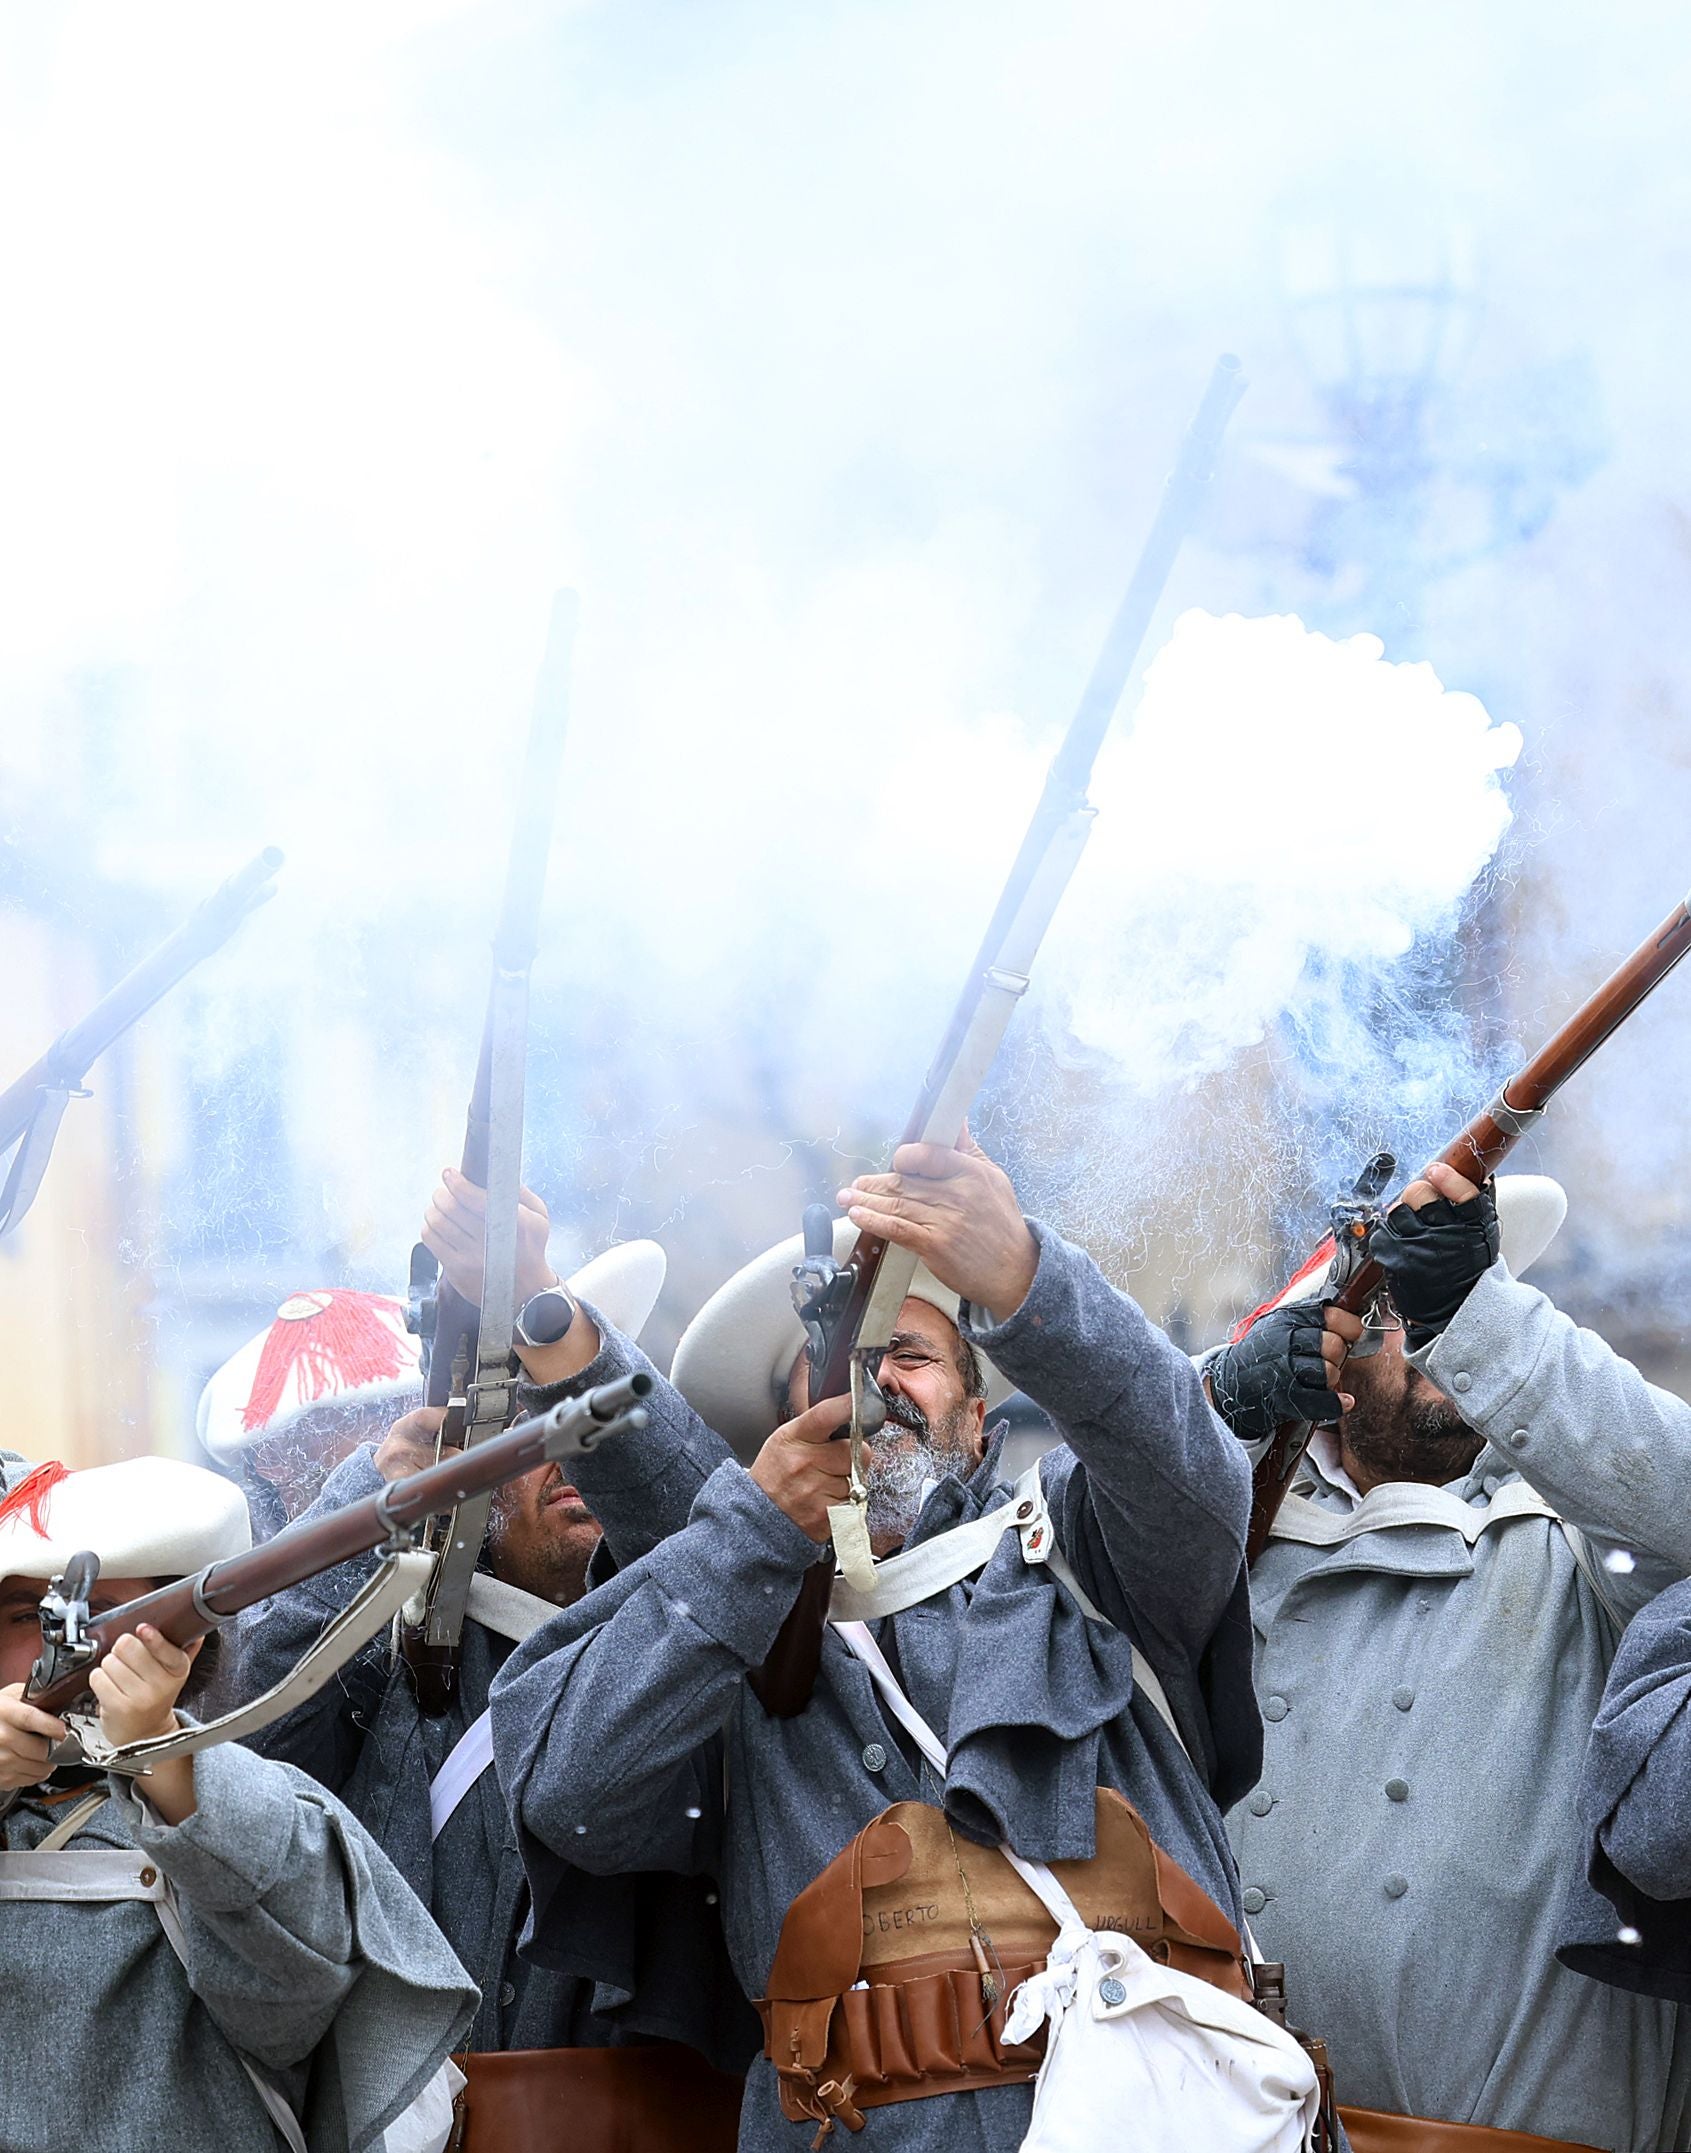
<point x="1530" y="1211"/>
<point x="734" y="1357"/>
<point x="622" y="1284"/>
<point x="143" y="1517"/>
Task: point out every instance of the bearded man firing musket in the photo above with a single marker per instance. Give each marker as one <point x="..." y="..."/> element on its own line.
<point x="994" y="1678"/>
<point x="1490" y="1495"/>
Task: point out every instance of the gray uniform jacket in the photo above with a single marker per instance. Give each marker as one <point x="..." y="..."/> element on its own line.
<point x="637" y="1958"/>
<point x="1430" y="1685"/>
<point x="1635" y="1801"/>
<point x="628" y="1734"/>
<point x="304" y="1950"/>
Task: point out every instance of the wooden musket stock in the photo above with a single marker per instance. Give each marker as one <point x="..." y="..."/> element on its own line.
<point x="193" y="1605"/>
<point x="1480" y="1149"/>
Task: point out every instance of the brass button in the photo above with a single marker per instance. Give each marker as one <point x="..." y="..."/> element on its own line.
<point x="149" y="1877"/>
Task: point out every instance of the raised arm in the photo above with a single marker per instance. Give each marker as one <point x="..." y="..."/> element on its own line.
<point x="601" y="1719"/>
<point x="642" y="1487"/>
<point x="1151" y="1511"/>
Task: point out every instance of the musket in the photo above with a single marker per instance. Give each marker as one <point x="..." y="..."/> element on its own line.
<point x="390" y="1520"/>
<point x="32" y="1108"/>
<point x="1354" y="1279"/>
<point x="469" y="1364"/>
<point x="850" y="1310"/>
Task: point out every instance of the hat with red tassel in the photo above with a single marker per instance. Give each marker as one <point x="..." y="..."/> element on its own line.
<point x="330" y="1347"/>
<point x="336" y="1347"/>
<point x="143" y="1517"/>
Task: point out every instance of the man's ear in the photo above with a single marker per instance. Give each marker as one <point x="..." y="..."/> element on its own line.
<point x="978" y="1407"/>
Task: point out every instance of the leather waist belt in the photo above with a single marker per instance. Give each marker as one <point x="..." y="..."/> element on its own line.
<point x="1372" y="2131"/>
<point x="655" y="2098"/>
<point x="895" y="1966"/>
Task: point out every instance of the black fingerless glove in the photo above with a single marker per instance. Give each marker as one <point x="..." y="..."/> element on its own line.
<point x="1433" y="1258"/>
<point x="1274" y="1373"/>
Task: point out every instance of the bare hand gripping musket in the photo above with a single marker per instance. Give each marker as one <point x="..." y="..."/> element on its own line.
<point x="1354" y="1279"/>
<point x="32" y="1108"/>
<point x="470" y="1366"/>
<point x="850" y="1310"/>
<point x="74" y="1645"/>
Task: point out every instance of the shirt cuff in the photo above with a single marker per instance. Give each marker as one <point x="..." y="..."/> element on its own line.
<point x="239" y="1840"/>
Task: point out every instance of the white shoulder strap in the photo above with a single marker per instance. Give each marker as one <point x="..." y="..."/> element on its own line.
<point x="469" y="1757"/>
<point x="905" y="1580"/>
<point x="1037" y="1877"/>
<point x="506" y="1609"/>
<point x="275" y="2104"/>
<point x="72" y="1822"/>
<point x="508" y="1612"/>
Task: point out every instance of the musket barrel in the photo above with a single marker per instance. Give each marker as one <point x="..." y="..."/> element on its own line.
<point x="71" y="1055"/>
<point x="1482" y="1147"/>
<point x="1183" y="492"/>
<point x="784" y="1682"/>
<point x="189" y="1608"/>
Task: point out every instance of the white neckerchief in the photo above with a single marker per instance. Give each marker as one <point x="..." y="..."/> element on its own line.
<point x="1325" y="1455"/>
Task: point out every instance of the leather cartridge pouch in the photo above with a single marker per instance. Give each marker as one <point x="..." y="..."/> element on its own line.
<point x="656" y="2097"/>
<point x="876" y="1994"/>
<point x="1371" y="2130"/>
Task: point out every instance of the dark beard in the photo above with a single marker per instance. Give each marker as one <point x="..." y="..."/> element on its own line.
<point x="1410" y="1438"/>
<point x="551" y="1569"/>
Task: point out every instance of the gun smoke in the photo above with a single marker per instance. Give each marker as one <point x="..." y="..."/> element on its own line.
<point x="837" y="359"/>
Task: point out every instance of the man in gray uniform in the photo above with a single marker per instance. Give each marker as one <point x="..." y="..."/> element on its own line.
<point x="638" y="1961"/>
<point x="634" y="1736"/>
<point x="1435" y="1616"/>
<point x="214" y="1953"/>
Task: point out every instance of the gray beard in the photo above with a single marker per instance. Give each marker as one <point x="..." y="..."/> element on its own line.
<point x="907" y="1454"/>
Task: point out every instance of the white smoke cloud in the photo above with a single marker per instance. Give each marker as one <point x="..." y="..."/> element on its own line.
<point x="836" y="353"/>
<point x="1285" y="810"/>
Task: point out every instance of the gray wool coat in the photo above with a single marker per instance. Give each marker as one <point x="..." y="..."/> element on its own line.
<point x="635" y="1958"/>
<point x="628" y="1733"/>
<point x="305" y="1950"/>
<point x="1413" y="1850"/>
<point x="1635" y="1803"/>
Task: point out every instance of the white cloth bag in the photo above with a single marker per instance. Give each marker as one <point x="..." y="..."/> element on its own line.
<point x="1189" y="2064"/>
<point x="1139" y="2054"/>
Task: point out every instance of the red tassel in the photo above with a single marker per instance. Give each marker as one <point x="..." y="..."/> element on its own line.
<point x="340" y="1347"/>
<point x="31" y="1493"/>
<point x="1318" y="1262"/>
